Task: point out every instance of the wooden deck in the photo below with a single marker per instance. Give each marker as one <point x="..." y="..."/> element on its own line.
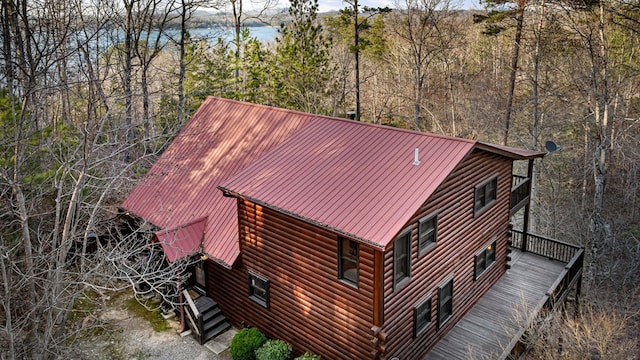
<point x="496" y="322"/>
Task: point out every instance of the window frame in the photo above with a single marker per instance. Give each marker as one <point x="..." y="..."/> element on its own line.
<point x="349" y="258"/>
<point x="444" y="318"/>
<point x="262" y="300"/>
<point x="488" y="257"/>
<point x="489" y="195"/>
<point x="419" y="329"/>
<point x="405" y="235"/>
<point x="423" y="247"/>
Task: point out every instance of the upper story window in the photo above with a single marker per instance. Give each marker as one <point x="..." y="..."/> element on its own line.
<point x="348" y="261"/>
<point x="484" y="258"/>
<point x="486" y="194"/>
<point x="259" y="290"/>
<point x="402" y="258"/>
<point x="427" y="233"/>
<point x="422" y="316"/>
<point x="445" y="302"/>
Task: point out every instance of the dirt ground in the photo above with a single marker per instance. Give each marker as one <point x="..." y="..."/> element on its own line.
<point x="118" y="333"/>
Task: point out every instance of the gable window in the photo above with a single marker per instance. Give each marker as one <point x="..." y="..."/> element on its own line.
<point x="445" y="302"/>
<point x="422" y="316"/>
<point x="486" y="194"/>
<point x="402" y="258"/>
<point x="427" y="233"/>
<point x="259" y="290"/>
<point x="484" y="258"/>
<point x="348" y="261"/>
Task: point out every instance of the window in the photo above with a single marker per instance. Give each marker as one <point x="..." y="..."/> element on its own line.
<point x="348" y="261"/>
<point x="259" y="290"/>
<point x="445" y="302"/>
<point x="422" y="316"/>
<point x="484" y="258"/>
<point x="402" y="258"/>
<point x="486" y="195"/>
<point x="427" y="233"/>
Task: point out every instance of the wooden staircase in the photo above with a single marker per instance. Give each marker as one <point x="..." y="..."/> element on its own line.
<point x="204" y="317"/>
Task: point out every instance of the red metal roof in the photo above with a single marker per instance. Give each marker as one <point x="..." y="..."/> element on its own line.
<point x="182" y="241"/>
<point x="357" y="179"/>
<point x="222" y="138"/>
<point x="354" y="178"/>
<point x="511" y="152"/>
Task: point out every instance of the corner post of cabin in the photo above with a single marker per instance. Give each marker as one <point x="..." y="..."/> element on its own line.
<point x="527" y="207"/>
<point x="379" y="336"/>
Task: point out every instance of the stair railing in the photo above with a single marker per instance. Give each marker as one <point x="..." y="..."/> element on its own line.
<point x="194" y="316"/>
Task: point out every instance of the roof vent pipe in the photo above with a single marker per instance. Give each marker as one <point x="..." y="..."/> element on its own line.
<point x="416" y="157"/>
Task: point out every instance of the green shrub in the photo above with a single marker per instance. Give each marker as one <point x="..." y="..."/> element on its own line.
<point x="245" y="343"/>
<point x="308" y="356"/>
<point x="274" y="350"/>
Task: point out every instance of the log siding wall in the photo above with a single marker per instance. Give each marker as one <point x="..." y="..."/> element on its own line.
<point x="460" y="237"/>
<point x="309" y="306"/>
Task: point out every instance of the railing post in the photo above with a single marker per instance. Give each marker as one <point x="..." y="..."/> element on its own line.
<point x="527" y="208"/>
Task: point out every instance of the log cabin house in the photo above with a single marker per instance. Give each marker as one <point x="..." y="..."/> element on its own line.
<point x="353" y="240"/>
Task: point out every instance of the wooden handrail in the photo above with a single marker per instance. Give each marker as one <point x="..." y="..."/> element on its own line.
<point x="544" y="246"/>
<point x="557" y="292"/>
<point x="519" y="192"/>
<point x="192" y="305"/>
<point x="193" y="309"/>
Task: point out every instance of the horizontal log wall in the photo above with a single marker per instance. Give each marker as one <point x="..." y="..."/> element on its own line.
<point x="460" y="237"/>
<point x="309" y="307"/>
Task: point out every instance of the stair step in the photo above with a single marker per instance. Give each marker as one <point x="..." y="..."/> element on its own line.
<point x="213" y="322"/>
<point x="204" y="304"/>
<point x="222" y="327"/>
<point x="210" y="314"/>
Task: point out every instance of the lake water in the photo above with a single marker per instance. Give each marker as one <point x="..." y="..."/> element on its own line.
<point x="264" y="34"/>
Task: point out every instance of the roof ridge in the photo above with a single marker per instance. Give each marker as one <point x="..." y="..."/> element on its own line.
<point x="335" y="118"/>
<point x="391" y="128"/>
<point x="270" y="107"/>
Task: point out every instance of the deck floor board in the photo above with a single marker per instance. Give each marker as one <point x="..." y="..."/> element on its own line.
<point x="487" y="329"/>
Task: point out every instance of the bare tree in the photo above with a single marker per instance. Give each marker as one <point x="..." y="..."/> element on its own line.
<point x="424" y="26"/>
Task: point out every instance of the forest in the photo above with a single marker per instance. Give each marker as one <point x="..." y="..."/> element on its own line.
<point x="91" y="92"/>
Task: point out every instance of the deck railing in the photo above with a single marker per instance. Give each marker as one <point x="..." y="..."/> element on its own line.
<point x="544" y="246"/>
<point x="569" y="278"/>
<point x="519" y="192"/>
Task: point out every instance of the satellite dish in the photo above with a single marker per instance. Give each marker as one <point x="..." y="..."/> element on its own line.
<point x="551" y="146"/>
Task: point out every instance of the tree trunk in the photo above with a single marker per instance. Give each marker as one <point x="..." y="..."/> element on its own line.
<point x="535" y="119"/>
<point x="6" y="302"/>
<point x="356" y="42"/>
<point x="514" y="68"/>
<point x="128" y="94"/>
<point x="600" y="227"/>
<point x="183" y="66"/>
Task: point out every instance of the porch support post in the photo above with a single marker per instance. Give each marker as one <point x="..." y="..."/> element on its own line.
<point x="527" y="207"/>
<point x="578" y="295"/>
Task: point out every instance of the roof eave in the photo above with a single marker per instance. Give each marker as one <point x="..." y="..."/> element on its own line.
<point x="510" y="152"/>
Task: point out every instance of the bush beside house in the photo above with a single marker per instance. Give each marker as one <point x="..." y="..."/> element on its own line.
<point x="274" y="350"/>
<point x="245" y="343"/>
<point x="252" y="344"/>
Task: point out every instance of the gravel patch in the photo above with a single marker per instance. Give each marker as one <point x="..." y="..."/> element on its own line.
<point x="128" y="337"/>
